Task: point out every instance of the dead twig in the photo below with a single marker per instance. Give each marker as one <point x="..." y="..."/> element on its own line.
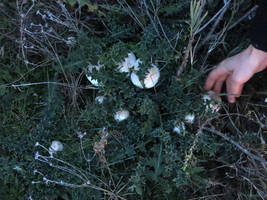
<point x="214" y="17"/>
<point x="196" y="18"/>
<point x="208" y="196"/>
<point x="243" y="17"/>
<point x="151" y="19"/>
<point x="185" y="58"/>
<point x="216" y="23"/>
<point x="245" y="151"/>
<point x="47" y="83"/>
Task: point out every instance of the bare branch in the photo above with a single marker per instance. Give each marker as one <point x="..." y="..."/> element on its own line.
<point x="245" y="151"/>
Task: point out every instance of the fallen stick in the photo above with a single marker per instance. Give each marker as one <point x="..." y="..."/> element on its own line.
<point x="262" y="160"/>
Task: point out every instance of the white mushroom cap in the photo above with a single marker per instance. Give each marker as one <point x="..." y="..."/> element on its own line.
<point x="179" y="128"/>
<point x="206" y="98"/>
<point x="190" y="118"/>
<point x="213" y="106"/>
<point x="135" y="80"/>
<point x="129" y="62"/>
<point x="151" y="78"/>
<point x="99" y="99"/>
<point x="90" y="68"/>
<point x="136" y="64"/>
<point x="121" y="115"/>
<point x="56" y="146"/>
<point x="213" y="95"/>
<point x="93" y="81"/>
<point x="71" y="41"/>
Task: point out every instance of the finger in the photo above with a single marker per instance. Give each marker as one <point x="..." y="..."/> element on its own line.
<point x="230" y="97"/>
<point x="213" y="77"/>
<point x="234" y="89"/>
<point x="219" y="83"/>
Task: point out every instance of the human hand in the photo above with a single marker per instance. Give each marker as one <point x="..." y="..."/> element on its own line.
<point x="236" y="71"/>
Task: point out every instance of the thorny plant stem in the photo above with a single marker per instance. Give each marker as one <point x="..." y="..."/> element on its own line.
<point x="192" y="148"/>
<point x="185" y="58"/>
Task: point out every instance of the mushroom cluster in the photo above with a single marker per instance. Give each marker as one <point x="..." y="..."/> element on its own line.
<point x="212" y="102"/>
<point x="151" y="78"/>
<point x="130" y="65"/>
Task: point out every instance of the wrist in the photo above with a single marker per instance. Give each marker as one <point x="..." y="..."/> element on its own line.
<point x="258" y="58"/>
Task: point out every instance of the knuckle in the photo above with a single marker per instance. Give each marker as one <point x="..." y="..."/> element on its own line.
<point x="237" y="80"/>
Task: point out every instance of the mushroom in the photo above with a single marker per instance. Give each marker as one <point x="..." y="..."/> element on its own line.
<point x="129" y="62"/>
<point x="212" y="101"/>
<point x="179" y="128"/>
<point x="151" y="78"/>
<point x="100" y="99"/>
<point x="90" y="68"/>
<point x="190" y="118"/>
<point x="55" y="147"/>
<point x="121" y="115"/>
